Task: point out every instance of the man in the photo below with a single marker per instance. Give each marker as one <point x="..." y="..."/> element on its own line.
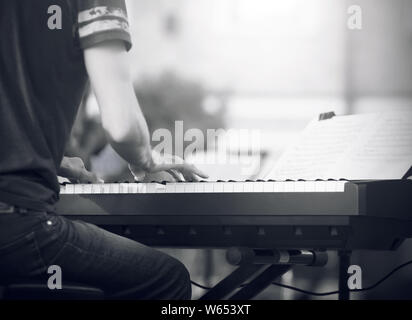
<point x="43" y="73"/>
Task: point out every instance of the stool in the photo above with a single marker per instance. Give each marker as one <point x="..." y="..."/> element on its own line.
<point x="38" y="290"/>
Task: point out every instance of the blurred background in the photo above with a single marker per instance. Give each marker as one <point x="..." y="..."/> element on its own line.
<point x="267" y="65"/>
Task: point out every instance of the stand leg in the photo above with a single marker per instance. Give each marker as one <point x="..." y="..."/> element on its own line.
<point x="232" y="282"/>
<point x="261" y="282"/>
<point x="344" y="263"/>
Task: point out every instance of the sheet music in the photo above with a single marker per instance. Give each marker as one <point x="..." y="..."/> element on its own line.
<point x="366" y="146"/>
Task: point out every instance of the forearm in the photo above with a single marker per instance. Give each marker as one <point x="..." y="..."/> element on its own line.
<point x="126" y="127"/>
<point x="94" y="139"/>
<point x="122" y="118"/>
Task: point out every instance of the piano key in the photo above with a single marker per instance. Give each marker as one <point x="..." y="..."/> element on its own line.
<point x="299" y="186"/>
<point x="160" y="187"/>
<point x="78" y="188"/>
<point x="151" y="187"/>
<point x="123" y="188"/>
<point x="228" y="187"/>
<point x="189" y="187"/>
<point x="341" y="186"/>
<point x="87" y="189"/>
<point x="278" y="186"/>
<point x="268" y="186"/>
<point x="218" y="187"/>
<point x="114" y="188"/>
<point x="289" y="186"/>
<point x="310" y="186"/>
<point x="238" y="187"/>
<point x="180" y="188"/>
<point x="208" y="187"/>
<point x="170" y="188"/>
<point x="330" y="186"/>
<point x="258" y="186"/>
<point x="200" y="187"/>
<point x="97" y="188"/>
<point x="248" y="187"/>
<point x="320" y="186"/>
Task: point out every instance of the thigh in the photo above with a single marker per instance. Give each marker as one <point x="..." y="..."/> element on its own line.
<point x="91" y="255"/>
<point x="19" y="254"/>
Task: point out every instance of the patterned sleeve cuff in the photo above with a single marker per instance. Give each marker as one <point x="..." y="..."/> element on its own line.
<point x="103" y="23"/>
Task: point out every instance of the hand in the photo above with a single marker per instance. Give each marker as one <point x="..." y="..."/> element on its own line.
<point x="75" y="170"/>
<point x="174" y="165"/>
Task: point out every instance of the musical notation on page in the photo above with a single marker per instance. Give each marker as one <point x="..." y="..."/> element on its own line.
<point x="355" y="147"/>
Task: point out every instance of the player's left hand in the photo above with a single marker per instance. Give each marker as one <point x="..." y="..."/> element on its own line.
<point x="75" y="170"/>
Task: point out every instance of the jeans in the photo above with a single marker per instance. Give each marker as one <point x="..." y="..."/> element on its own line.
<point x="31" y="242"/>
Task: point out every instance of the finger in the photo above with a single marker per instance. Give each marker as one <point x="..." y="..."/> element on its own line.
<point x="89" y="177"/>
<point x="189" y="176"/>
<point x="198" y="172"/>
<point x="192" y="172"/>
<point x="176" y="175"/>
<point x="138" y="175"/>
<point x="182" y="168"/>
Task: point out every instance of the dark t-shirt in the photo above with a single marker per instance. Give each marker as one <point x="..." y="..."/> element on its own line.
<point x="42" y="81"/>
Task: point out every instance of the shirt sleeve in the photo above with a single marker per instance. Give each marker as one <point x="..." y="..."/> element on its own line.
<point x="102" y="20"/>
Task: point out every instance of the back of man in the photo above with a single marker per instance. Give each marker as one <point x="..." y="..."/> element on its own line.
<point x="41" y="84"/>
<point x="42" y="80"/>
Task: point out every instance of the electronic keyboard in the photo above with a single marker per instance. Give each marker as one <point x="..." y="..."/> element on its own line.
<point x="318" y="214"/>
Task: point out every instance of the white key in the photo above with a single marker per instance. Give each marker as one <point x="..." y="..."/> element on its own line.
<point x="208" y="187"/>
<point x="78" y="188"/>
<point x="87" y="189"/>
<point x="238" y="187"/>
<point x="151" y="188"/>
<point x="69" y="188"/>
<point x="310" y="186"/>
<point x="335" y="186"/>
<point x="320" y="186"/>
<point x="200" y="187"/>
<point x="279" y="187"/>
<point x="114" y="188"/>
<point x="97" y="188"/>
<point x="341" y="186"/>
<point x="228" y="187"/>
<point x="189" y="187"/>
<point x="133" y="188"/>
<point x="170" y="188"/>
<point x="141" y="188"/>
<point x="248" y="187"/>
<point x="300" y="186"/>
<point x="180" y="188"/>
<point x="218" y="186"/>
<point x="268" y="186"/>
<point x="123" y="188"/>
<point x="330" y="186"/>
<point x="289" y="186"/>
<point x="105" y="188"/>
<point x="160" y="188"/>
<point x="258" y="186"/>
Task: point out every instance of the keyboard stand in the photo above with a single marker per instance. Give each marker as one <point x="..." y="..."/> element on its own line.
<point x="258" y="268"/>
<point x="344" y="263"/>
